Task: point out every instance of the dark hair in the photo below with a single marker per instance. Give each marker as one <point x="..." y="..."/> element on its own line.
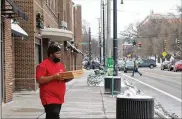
<point x="52" y="49"/>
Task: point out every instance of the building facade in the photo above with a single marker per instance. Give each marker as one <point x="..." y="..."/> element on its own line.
<point x="49" y="21"/>
<point x="158" y="33"/>
<point x="9" y="33"/>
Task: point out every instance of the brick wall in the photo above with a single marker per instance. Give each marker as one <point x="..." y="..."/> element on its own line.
<point x="62" y="10"/>
<point x="45" y="43"/>
<point x="25" y="49"/>
<point x="8" y="62"/>
<point x="69" y="14"/>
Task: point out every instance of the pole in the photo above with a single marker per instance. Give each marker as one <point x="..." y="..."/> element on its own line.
<point x="104" y="55"/>
<point x="109" y="43"/>
<point x="89" y="44"/>
<point x="181" y="32"/>
<point x="100" y="46"/>
<point x="2" y="5"/>
<point x="115" y="40"/>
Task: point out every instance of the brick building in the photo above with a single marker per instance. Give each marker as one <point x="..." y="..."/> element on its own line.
<point x="158" y="33"/>
<point x="10" y="31"/>
<point x="50" y="21"/>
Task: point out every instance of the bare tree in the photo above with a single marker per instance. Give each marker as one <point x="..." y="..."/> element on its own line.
<point x="85" y="40"/>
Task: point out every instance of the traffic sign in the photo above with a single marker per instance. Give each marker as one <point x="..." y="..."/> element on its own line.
<point x="110" y="66"/>
<point x="129" y="55"/>
<point x="164" y="54"/>
<point x="110" y="62"/>
<point x="83" y="43"/>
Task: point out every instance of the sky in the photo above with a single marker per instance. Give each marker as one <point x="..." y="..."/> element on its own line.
<point x="131" y="11"/>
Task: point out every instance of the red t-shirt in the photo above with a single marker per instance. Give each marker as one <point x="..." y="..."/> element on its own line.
<point x="54" y="91"/>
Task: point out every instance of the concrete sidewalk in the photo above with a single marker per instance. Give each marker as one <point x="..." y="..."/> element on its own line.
<point x="81" y="101"/>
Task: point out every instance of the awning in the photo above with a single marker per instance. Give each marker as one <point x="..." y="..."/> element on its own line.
<point x="14" y="11"/>
<point x="55" y="34"/>
<point x="17" y="30"/>
<point x="74" y="48"/>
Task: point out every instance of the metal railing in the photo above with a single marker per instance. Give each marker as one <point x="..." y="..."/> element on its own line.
<point x="96" y="78"/>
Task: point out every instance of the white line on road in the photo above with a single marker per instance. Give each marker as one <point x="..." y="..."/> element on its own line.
<point x="178" y="99"/>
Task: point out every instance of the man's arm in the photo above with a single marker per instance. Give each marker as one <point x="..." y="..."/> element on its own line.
<point x="41" y="77"/>
<point x="45" y="79"/>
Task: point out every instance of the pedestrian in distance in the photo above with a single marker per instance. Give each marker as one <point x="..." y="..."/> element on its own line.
<point x="135" y="69"/>
<point x="51" y="83"/>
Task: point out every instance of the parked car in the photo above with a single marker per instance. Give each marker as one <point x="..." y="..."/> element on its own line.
<point x="172" y="64"/>
<point x="147" y="63"/>
<point x="165" y="65"/>
<point x="121" y="64"/>
<point x="178" y="66"/>
<point x="129" y="66"/>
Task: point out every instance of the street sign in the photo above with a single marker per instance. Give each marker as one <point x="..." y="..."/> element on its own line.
<point x="129" y="55"/>
<point x="110" y="62"/>
<point x="110" y="66"/>
<point x="83" y="43"/>
<point x="164" y="54"/>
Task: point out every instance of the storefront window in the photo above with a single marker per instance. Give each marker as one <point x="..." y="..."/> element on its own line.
<point x="38" y="54"/>
<point x="38" y="51"/>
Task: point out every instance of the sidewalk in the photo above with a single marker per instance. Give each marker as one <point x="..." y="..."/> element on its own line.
<point x="81" y="101"/>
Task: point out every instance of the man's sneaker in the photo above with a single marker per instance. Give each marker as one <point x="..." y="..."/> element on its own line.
<point x="140" y="74"/>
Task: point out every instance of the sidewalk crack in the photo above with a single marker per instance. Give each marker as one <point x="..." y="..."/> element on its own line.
<point x="103" y="106"/>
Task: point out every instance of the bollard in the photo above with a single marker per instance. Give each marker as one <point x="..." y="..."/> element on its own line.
<point x="134" y="107"/>
<point x="112" y="84"/>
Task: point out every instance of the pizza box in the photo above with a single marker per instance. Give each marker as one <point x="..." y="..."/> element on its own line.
<point x="67" y="75"/>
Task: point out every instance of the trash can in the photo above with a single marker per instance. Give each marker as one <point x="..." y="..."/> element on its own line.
<point x="107" y="84"/>
<point x="116" y="83"/>
<point x="134" y="107"/>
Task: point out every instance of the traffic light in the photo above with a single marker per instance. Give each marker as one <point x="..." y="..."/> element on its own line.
<point x="134" y="42"/>
<point x="178" y="42"/>
<point x="165" y="45"/>
<point x="139" y="45"/>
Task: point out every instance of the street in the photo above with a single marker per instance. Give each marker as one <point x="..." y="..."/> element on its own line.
<point x="164" y="86"/>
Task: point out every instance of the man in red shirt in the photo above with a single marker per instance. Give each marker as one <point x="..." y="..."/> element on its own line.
<point x="52" y="85"/>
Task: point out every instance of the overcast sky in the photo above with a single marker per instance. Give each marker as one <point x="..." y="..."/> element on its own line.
<point x="131" y="11"/>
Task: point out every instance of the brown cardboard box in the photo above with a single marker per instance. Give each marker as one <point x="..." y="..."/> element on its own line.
<point x="72" y="74"/>
<point x="67" y="75"/>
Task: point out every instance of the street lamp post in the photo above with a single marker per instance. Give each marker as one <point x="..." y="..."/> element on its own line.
<point x="89" y="44"/>
<point x="104" y="50"/>
<point x="115" y="40"/>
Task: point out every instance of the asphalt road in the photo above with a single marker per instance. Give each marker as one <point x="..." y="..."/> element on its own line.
<point x="164" y="86"/>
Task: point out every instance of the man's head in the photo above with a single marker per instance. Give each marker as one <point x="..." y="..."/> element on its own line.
<point x="54" y="53"/>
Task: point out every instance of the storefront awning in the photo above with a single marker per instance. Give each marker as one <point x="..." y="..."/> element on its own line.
<point x="13" y="11"/>
<point x="17" y="30"/>
<point x="55" y="34"/>
<point x="74" y="48"/>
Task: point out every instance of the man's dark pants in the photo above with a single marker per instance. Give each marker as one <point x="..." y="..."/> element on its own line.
<point x="136" y="70"/>
<point x="52" y="111"/>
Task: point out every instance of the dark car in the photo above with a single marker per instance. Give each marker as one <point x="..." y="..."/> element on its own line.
<point x="121" y="64"/>
<point x="129" y="66"/>
<point x="165" y="65"/>
<point x="147" y="63"/>
<point x="92" y="65"/>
